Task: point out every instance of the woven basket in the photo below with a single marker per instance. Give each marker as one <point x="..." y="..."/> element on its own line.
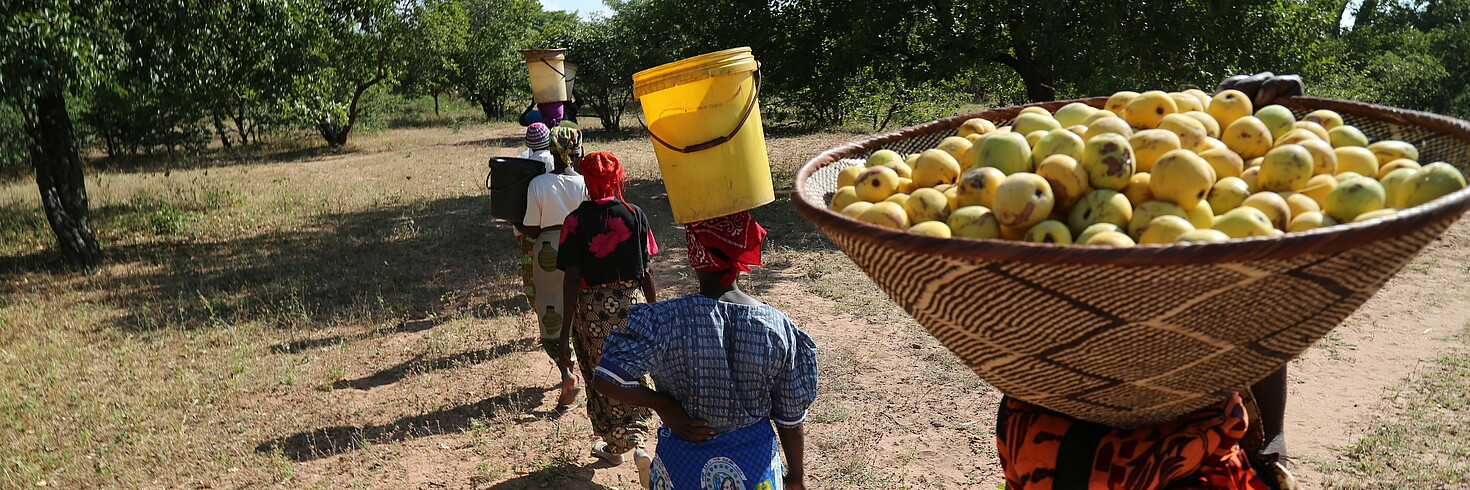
<point x="1137" y="336"/>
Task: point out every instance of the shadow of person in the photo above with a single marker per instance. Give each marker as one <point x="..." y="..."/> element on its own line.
<point x="328" y="441"/>
<point x="563" y="476"/>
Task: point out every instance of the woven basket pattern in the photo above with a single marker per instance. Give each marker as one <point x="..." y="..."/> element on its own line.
<point x="1131" y="337"/>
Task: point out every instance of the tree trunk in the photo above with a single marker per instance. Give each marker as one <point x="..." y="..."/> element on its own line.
<point x="53" y="148"/>
<point x="1038" y="84"/>
<point x="436" y="103"/>
<point x="224" y="133"/>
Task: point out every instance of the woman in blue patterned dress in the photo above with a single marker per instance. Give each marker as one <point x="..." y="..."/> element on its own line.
<point x="726" y="366"/>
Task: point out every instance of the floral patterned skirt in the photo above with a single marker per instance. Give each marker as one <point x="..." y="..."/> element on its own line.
<point x="602" y="309"/>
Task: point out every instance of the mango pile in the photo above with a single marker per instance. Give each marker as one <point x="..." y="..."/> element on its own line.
<point x="1151" y="167"/>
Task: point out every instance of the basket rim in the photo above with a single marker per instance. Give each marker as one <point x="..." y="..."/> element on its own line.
<point x="1331" y="239"/>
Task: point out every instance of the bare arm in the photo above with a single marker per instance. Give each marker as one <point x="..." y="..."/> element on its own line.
<point x="793" y="443"/>
<point x="668" y="408"/>
<point x="650" y="291"/>
<point x="570" y="290"/>
<point x="530" y="231"/>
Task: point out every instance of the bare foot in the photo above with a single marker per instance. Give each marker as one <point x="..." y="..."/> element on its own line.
<point x="571" y="386"/>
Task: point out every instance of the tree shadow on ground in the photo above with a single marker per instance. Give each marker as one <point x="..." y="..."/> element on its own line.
<point x="388" y="268"/>
<point x="328" y="441"/>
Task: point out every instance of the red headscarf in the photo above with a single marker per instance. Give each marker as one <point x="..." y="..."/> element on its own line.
<point x="603" y="174"/>
<point x="738" y="237"/>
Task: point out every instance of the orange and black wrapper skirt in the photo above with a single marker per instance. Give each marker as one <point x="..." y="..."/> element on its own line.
<point x="1045" y="450"/>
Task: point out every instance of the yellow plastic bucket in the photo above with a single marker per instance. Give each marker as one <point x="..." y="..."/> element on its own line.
<point x="548" y="84"/>
<point x="706" y="130"/>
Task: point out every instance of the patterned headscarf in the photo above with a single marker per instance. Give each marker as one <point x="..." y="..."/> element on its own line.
<point x="538" y="136"/>
<point x="566" y="142"/>
<point x="738" y="237"/>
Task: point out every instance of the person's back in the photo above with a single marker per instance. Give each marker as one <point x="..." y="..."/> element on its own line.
<point x="729" y="364"/>
<point x="723" y="363"/>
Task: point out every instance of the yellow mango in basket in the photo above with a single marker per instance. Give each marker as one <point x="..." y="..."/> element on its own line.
<point x="876" y="184"/>
<point x="1073" y="114"/>
<point x="1227" y="194"/>
<point x="845" y="195"/>
<point x="1100" y="206"/>
<point x="1300" y="203"/>
<point x="1273" y="205"/>
<point x="855" y="210"/>
<point x="1150" y="144"/>
<point x="1244" y="221"/>
<point x="1328" y="119"/>
<point x="1192" y="133"/>
<point x="931" y="228"/>
<point x="1009" y="152"/>
<point x="1353" y="197"/>
<point x="1204" y="98"/>
<point x="977" y="187"/>
<point x="1390" y="150"/>
<point x="1432" y="182"/>
<point x="1094" y="229"/>
<point x="976" y="126"/>
<point x="1104" y="125"/>
<point x="1384" y="169"/>
<point x="974" y="222"/>
<point x="1229" y="105"/>
<point x="1318" y="187"/>
<point x="935" y="167"/>
<point x="1111" y="239"/>
<point x="926" y="204"/>
<point x="883" y="157"/>
<point x="1119" y="100"/>
<point x="1183" y="178"/>
<point x="886" y="214"/>
<point x="1324" y="158"/>
<point x="1346" y="135"/>
<point x="1204" y="235"/>
<point x="1202" y="216"/>
<point x="1049" y="231"/>
<point x="955" y="146"/>
<point x="1296" y="136"/>
<point x="1057" y="142"/>
<point x="1315" y="128"/>
<point x="1108" y="160"/>
<point x="1225" y="162"/>
<point x="1248" y="136"/>
<point x="1212" y="127"/>
<point x="1375" y="214"/>
<point x="1277" y="118"/>
<point x="1138" y="190"/>
<point x="1185" y="102"/>
<point x="1145" y="214"/>
<point x="1146" y="110"/>
<point x="847" y="176"/>
<point x="1394" y="184"/>
<point x="1067" y="179"/>
<point x="1164" y="229"/>
<point x="1022" y="200"/>
<point x="1286" y="168"/>
<point x="1029" y="122"/>
<point x="1309" y="220"/>
<point x="1356" y="159"/>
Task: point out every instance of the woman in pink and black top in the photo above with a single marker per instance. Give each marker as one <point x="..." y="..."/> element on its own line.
<point x="606" y="244"/>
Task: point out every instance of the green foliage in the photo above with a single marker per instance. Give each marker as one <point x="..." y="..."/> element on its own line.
<point x="1406" y="55"/>
<point x="52" y="44"/>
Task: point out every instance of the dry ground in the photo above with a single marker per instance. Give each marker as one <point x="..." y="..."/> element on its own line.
<point x="305" y="318"/>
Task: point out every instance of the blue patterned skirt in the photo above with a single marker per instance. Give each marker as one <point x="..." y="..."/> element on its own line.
<point x="743" y="459"/>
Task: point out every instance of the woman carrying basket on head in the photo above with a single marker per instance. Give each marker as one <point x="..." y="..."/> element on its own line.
<point x="727" y="367"/>
<point x="606" y="244"/>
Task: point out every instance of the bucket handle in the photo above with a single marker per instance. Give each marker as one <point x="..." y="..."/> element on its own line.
<point x="749" y="106"/>
<point x="558" y="72"/>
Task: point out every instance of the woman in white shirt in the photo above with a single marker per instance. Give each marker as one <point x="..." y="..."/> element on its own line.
<point x="549" y="199"/>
